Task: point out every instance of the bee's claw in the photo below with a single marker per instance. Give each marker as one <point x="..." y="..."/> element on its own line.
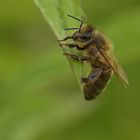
<point x="66" y="54"/>
<point x="59" y="41"/>
<point x="60" y="44"/>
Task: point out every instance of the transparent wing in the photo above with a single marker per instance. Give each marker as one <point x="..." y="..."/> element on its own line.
<point x="116" y="67"/>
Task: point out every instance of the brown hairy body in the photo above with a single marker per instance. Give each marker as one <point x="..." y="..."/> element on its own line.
<point x="96" y="49"/>
<point x="93" y="88"/>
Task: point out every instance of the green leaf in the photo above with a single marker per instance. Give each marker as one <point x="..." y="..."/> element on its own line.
<point x="55" y="12"/>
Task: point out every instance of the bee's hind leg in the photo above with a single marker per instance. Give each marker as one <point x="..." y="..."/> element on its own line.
<point x="93" y="76"/>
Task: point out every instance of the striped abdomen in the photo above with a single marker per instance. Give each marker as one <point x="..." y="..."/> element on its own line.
<point x="93" y="89"/>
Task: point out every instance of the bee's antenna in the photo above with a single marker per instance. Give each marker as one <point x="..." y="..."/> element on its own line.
<point x="78" y="20"/>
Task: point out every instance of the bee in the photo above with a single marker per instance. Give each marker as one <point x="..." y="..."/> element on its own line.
<point x="97" y="52"/>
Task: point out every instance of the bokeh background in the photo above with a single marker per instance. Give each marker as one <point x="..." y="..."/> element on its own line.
<point x="39" y="96"/>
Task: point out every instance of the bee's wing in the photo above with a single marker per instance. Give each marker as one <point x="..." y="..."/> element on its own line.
<point x="116" y="67"/>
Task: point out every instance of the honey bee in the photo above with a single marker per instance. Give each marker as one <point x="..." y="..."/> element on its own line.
<point x="97" y="53"/>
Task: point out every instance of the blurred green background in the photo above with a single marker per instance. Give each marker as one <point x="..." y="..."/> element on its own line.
<point x="39" y="96"/>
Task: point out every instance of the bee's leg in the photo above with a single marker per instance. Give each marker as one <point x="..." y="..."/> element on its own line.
<point x="93" y="76"/>
<point x="69" y="45"/>
<point x="78" y="58"/>
<point x="66" y="38"/>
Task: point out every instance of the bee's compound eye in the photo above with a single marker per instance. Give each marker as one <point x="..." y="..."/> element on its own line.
<point x="84" y="37"/>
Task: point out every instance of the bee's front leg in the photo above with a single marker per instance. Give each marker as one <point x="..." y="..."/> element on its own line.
<point x="66" y="38"/>
<point x="79" y="58"/>
<point x="69" y="45"/>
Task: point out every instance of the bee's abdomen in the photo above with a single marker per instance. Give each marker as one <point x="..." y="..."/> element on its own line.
<point x="93" y="89"/>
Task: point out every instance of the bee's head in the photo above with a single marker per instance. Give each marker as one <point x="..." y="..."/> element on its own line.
<point x="84" y="33"/>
